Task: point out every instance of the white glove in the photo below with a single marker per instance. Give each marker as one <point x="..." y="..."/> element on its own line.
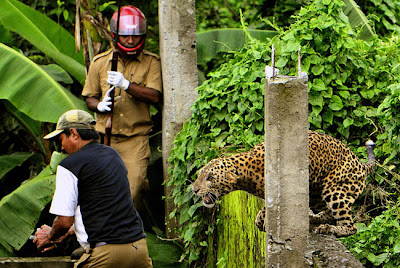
<point x="103" y="106"/>
<point x="117" y="79"/>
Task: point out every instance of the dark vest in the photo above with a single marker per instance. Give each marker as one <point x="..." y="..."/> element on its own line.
<point x="104" y="197"/>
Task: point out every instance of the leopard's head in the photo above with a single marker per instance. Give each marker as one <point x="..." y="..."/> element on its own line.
<point x="213" y="181"/>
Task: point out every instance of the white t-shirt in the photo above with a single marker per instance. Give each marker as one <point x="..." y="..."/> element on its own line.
<point x="65" y="202"/>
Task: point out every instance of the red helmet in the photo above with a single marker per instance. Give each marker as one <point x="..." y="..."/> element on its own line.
<point x="132" y="21"/>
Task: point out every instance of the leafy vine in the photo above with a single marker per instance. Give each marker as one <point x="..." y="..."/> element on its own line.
<point x="352" y="83"/>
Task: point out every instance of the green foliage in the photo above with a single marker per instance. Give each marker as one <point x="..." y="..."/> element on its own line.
<point x="21" y="125"/>
<point x="212" y="42"/>
<point x="384" y="14"/>
<point x="31" y="96"/>
<point x="62" y="12"/>
<point x="389" y="114"/>
<point x="45" y="34"/>
<point x="8" y="162"/>
<point x="57" y="73"/>
<point x="348" y="80"/>
<point x="24" y="80"/>
<point x="47" y="99"/>
<point x="227" y="112"/>
<point x="212" y="14"/>
<point x="23" y="207"/>
<point x="164" y="254"/>
<point x="340" y="68"/>
<point x="378" y="245"/>
<point x="283" y="11"/>
<point x="357" y="19"/>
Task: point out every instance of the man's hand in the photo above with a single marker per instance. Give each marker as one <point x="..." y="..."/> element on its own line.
<point x="62" y="228"/>
<point x="104" y="105"/>
<point x="42" y="239"/>
<point x="117" y="79"/>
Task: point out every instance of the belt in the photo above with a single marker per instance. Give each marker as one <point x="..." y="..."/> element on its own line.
<point x="98" y="244"/>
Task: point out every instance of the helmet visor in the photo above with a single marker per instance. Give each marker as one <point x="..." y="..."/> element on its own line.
<point x="130" y="25"/>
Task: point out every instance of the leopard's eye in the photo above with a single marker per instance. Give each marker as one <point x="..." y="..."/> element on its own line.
<point x="210" y="178"/>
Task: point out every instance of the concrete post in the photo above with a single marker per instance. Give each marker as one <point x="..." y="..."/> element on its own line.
<point x="177" y="23"/>
<point x="286" y="171"/>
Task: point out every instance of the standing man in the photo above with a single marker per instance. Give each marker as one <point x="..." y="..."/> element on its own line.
<point x="92" y="196"/>
<point x="138" y="84"/>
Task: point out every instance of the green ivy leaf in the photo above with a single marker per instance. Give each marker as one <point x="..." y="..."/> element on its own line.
<point x="281" y="63"/>
<point x="344" y="94"/>
<point x="396" y="248"/>
<point x="316" y="100"/>
<point x="336" y="103"/>
<point x="316" y="109"/>
<point x="348" y="122"/>
<point x="193" y="209"/>
<point x="368" y="94"/>
<point x="328" y="116"/>
<point x="317" y="69"/>
<point x="318" y="85"/>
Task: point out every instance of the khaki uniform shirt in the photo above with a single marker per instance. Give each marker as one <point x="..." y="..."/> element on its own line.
<point x="131" y="116"/>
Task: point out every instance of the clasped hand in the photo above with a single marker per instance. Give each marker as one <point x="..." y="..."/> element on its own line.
<point x="42" y="239"/>
<point x="117" y="79"/>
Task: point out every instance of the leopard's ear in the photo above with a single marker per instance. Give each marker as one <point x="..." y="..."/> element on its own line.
<point x="230" y="176"/>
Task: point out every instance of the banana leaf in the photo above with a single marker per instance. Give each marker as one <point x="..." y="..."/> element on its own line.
<point x="21" y="209"/>
<point x="165" y="254"/>
<point x="31" y="90"/>
<point x="211" y="42"/>
<point x="57" y="73"/>
<point x="357" y="19"/>
<point x="8" y="162"/>
<point x="5" y="36"/>
<point x="32" y="127"/>
<point x="45" y="34"/>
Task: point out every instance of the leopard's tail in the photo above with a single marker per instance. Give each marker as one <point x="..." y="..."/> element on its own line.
<point x="370" y="165"/>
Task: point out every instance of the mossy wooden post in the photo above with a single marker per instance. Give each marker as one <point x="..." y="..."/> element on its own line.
<point x="286" y="171"/>
<point x="238" y="243"/>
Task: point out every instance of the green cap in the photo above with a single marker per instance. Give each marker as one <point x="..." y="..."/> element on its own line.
<point x="77" y="119"/>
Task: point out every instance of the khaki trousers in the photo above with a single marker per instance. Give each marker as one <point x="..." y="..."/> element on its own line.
<point x="132" y="255"/>
<point x="135" y="152"/>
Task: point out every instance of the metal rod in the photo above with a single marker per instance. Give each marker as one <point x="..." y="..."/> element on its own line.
<point x="273" y="61"/>
<point x="299" y="63"/>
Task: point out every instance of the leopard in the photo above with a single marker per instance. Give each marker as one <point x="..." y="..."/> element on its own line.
<point x="336" y="179"/>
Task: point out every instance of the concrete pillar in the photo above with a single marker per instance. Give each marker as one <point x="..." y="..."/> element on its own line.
<point x="177" y="23"/>
<point x="286" y="171"/>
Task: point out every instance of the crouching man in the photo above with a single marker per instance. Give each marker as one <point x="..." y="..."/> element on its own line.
<point x="92" y="196"/>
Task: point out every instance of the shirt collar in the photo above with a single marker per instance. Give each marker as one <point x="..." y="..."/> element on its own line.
<point x="138" y="58"/>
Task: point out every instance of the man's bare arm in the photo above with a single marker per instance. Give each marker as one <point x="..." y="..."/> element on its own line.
<point x="49" y="235"/>
<point x="145" y="94"/>
<point x="92" y="103"/>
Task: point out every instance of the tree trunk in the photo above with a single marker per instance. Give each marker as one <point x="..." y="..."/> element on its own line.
<point x="90" y="29"/>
